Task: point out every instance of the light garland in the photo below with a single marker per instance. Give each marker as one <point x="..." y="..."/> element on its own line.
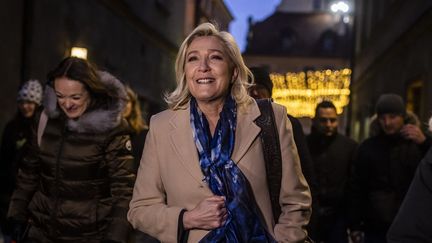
<point x="301" y="92"/>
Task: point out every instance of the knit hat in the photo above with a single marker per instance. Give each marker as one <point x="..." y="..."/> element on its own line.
<point x="262" y="77"/>
<point x="390" y="104"/>
<point x="31" y="91"/>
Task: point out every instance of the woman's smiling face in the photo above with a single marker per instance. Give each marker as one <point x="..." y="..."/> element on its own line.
<point x="72" y="96"/>
<point x="208" y="70"/>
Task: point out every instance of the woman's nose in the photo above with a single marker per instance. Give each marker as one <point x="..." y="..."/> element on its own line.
<point x="67" y="104"/>
<point x="203" y="65"/>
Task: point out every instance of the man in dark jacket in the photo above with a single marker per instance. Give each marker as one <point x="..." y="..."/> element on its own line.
<point x="332" y="155"/>
<point x="383" y="170"/>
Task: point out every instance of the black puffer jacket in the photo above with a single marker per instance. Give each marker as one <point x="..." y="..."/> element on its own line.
<point x="77" y="185"/>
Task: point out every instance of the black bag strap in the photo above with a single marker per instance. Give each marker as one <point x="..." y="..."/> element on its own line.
<point x="272" y="152"/>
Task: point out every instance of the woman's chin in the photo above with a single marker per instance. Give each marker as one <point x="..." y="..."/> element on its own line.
<point x="72" y="115"/>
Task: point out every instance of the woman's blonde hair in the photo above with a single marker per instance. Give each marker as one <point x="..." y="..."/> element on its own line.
<point x="179" y="98"/>
<point x="135" y="118"/>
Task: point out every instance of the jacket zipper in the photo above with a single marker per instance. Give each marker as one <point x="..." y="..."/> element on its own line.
<point x="57" y="175"/>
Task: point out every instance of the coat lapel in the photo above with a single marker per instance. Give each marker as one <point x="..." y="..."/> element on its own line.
<point x="184" y="145"/>
<point x="246" y="131"/>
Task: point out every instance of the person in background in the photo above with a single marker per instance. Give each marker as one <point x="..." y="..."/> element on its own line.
<point x="262" y="88"/>
<point x="412" y="223"/>
<point x="138" y="133"/>
<point x="74" y="185"/>
<point x="139" y="128"/>
<point x="201" y="174"/>
<point x="383" y="170"/>
<point x="332" y="156"/>
<point x="16" y="134"/>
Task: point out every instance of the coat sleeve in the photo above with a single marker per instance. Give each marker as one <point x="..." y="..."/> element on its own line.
<point x="27" y="180"/>
<point x="121" y="176"/>
<point x="295" y="198"/>
<point x="412" y="223"/>
<point x="148" y="210"/>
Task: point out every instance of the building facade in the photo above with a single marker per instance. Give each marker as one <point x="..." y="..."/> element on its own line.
<point x="298" y="37"/>
<point x="136" y="40"/>
<point x="305" y="38"/>
<point x="392" y="55"/>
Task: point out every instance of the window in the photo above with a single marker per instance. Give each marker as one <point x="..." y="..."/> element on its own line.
<point x="327" y="42"/>
<point x="414" y="97"/>
<point x="288" y="39"/>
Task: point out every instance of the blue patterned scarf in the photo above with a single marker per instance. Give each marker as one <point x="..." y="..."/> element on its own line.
<point x="225" y="178"/>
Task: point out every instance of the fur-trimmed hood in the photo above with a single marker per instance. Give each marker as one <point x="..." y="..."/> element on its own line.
<point x="97" y="120"/>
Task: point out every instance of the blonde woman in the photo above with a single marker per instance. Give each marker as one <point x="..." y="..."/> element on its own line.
<point x="202" y="174"/>
<point x="139" y="128"/>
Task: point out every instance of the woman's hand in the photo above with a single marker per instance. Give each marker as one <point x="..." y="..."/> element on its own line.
<point x="357" y="236"/>
<point x="209" y="214"/>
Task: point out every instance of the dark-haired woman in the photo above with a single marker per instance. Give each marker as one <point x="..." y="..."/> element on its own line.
<point x="76" y="182"/>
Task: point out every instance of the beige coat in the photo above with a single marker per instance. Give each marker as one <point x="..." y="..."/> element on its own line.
<point x="170" y="178"/>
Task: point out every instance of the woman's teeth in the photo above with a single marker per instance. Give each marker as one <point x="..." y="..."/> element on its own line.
<point x="204" y="81"/>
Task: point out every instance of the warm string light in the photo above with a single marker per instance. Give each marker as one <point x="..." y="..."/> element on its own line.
<point x="301" y="92"/>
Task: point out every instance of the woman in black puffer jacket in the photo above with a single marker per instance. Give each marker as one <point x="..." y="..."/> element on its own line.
<point x="76" y="183"/>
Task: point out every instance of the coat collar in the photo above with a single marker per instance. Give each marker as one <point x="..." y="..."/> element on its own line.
<point x="181" y="137"/>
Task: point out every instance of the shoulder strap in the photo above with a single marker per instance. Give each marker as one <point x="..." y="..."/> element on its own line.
<point x="41" y="126"/>
<point x="272" y="152"/>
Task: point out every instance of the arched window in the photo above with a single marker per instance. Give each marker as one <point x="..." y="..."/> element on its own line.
<point x="288" y="39"/>
<point x="328" y="42"/>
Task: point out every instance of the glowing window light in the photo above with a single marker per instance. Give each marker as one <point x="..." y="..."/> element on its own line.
<point x="301" y="92"/>
<point x="79" y="52"/>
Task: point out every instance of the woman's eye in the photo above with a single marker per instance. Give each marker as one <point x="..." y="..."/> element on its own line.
<point x="217" y="57"/>
<point x="76" y="98"/>
<point x="192" y="58"/>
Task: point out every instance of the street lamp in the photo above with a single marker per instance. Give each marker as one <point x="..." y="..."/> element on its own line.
<point x="341" y="11"/>
<point x="340" y="7"/>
